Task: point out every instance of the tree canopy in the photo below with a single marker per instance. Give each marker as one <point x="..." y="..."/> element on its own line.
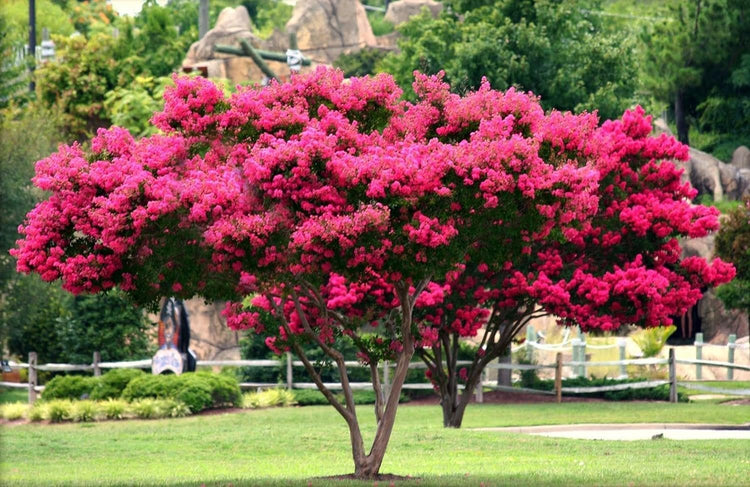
<point x="561" y="51"/>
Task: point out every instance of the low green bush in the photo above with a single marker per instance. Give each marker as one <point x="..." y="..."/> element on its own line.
<point x="59" y="410"/>
<point x="316" y="398"/>
<point x="38" y="412"/>
<point x="69" y="387"/>
<point x="199" y="390"/>
<point x="84" y="411"/>
<point x="14" y="410"/>
<point x="111" y="384"/>
<point x="268" y="398"/>
<point x="113" y="408"/>
<point x="150" y="408"/>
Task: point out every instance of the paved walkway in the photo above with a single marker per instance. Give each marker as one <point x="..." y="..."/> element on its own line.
<point x="637" y="431"/>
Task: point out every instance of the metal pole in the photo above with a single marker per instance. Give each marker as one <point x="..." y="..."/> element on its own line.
<point x="202" y="18"/>
<point x="32" y="43"/>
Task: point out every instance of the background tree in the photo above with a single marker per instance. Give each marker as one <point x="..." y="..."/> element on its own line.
<point x="733" y="244"/>
<point x="561" y="51"/>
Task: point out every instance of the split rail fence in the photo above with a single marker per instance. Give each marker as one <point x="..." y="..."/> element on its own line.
<point x="578" y="368"/>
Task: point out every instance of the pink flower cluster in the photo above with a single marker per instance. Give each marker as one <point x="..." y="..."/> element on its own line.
<point x="337" y="190"/>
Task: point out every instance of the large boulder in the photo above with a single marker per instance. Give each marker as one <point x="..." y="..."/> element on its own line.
<point x="210" y="338"/>
<point x="741" y="157"/>
<point x="232" y="26"/>
<point x="402" y="10"/>
<point x="704" y="174"/>
<point x="328" y="28"/>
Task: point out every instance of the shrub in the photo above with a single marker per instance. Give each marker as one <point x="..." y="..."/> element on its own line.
<point x="113" y="408"/>
<point x="111" y="384"/>
<point x="199" y="390"/>
<point x="68" y="387"/>
<point x="145" y="409"/>
<point x="84" y="411"/>
<point x="14" y="410"/>
<point x="38" y="412"/>
<point x="652" y="340"/>
<point x="59" y="410"/>
<point x="310" y="398"/>
<point x="268" y="398"/>
<point x="175" y="409"/>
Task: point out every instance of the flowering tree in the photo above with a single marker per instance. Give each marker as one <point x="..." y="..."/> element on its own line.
<point x="621" y="267"/>
<point x="333" y="203"/>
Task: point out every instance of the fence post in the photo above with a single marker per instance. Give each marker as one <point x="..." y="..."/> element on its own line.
<point x="730" y="354"/>
<point x="478" y="391"/>
<point x="97" y="359"/>
<point x="289" y="372"/>
<point x="672" y="377"/>
<point x="32" y="377"/>
<point x="698" y="355"/>
<point x="575" y="344"/>
<point x="504" y="376"/>
<point x="582" y="352"/>
<point x="622" y="343"/>
<point x="530" y="338"/>
<point x="558" y="376"/>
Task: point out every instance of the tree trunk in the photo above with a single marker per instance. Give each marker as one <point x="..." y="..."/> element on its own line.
<point x="680" y="118"/>
<point x="368" y="466"/>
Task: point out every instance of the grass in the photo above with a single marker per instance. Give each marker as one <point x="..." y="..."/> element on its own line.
<point x="297" y="446"/>
<point x="13" y="395"/>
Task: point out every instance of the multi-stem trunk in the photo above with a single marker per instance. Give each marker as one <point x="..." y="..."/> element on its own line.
<point x="366" y="464"/>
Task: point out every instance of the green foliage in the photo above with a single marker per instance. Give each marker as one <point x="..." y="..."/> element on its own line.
<point x="652" y="340"/>
<point x="48" y="15"/>
<point x="12" y="79"/>
<point x="308" y="397"/>
<point x="79" y="83"/>
<point x="268" y="398"/>
<point x="84" y="411"/>
<point x="59" y="410"/>
<point x="91" y="15"/>
<point x="724" y="206"/>
<point x="13" y="411"/>
<point x="113" y="408"/>
<point x="111" y="384"/>
<point x="38" y="411"/>
<point x="69" y="387"/>
<point x="132" y="106"/>
<point x="197" y="390"/>
<point x="379" y="25"/>
<point x="733" y="245"/>
<point x="108" y="323"/>
<point x="360" y="63"/>
<point x="558" y="50"/>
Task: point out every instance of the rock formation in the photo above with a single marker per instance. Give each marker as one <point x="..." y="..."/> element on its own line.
<point x="328" y="28"/>
<point x="713" y="177"/>
<point x="210" y="338"/>
<point x="232" y="25"/>
<point x="402" y="10"/>
<point x="741" y="158"/>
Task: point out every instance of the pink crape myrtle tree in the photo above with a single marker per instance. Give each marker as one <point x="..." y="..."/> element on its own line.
<point x="621" y="267"/>
<point x="319" y="209"/>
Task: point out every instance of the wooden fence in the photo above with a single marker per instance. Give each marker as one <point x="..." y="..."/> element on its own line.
<point x="578" y="366"/>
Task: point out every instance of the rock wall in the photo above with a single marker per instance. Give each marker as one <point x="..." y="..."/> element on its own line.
<point x="402" y="10"/>
<point x="210" y="338"/>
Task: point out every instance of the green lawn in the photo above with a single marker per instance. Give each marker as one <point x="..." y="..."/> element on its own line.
<point x="294" y="446"/>
<point x="13" y="395"/>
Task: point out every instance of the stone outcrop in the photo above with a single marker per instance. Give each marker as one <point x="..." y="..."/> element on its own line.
<point x="210" y="338"/>
<point x="713" y="177"/>
<point x="717" y="322"/>
<point x="328" y="28"/>
<point x="402" y="10"/>
<point x="232" y="25"/>
<point x="741" y="157"/>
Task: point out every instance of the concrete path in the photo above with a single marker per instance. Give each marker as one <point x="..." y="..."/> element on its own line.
<point x="637" y="431"/>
